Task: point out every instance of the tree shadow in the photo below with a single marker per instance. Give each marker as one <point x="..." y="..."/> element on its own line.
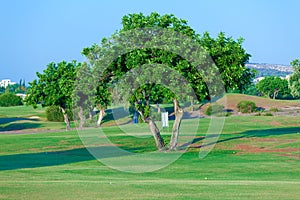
<point x="228" y="110"/>
<point x="188" y="115"/>
<point x="187" y="144"/>
<point x="264" y="133"/>
<point x="250" y="134"/>
<point x="20" y="126"/>
<point x="46" y="159"/>
<point x="14" y="119"/>
<point x="120" y="112"/>
<point x="260" y="109"/>
<point x="116" y="114"/>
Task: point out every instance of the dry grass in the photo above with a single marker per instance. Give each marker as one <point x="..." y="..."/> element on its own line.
<point x="231" y="101"/>
<point x="234" y="99"/>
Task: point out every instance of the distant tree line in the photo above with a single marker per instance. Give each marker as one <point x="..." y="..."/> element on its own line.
<point x="15" y="88"/>
<point x="294" y="80"/>
<point x="268" y="72"/>
<point x="276" y="87"/>
<point x="8" y="95"/>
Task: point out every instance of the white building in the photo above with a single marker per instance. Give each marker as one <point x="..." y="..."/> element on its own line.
<point x="6" y="82"/>
<point x="21" y="95"/>
<point x="287" y="77"/>
<point x="256" y="80"/>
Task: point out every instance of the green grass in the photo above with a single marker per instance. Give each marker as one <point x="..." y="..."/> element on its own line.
<point x="22" y="112"/>
<point x="58" y="166"/>
<point x="26" y="118"/>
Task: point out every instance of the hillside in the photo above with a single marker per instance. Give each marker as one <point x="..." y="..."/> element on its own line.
<point x="233" y="99"/>
<point x="286" y="107"/>
<point x="264" y="69"/>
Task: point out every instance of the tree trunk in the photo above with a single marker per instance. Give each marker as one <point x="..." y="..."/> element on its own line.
<point x="158" y="108"/>
<point x="91" y="115"/>
<point x="176" y="126"/>
<point x="192" y="103"/>
<point x="66" y="119"/>
<point x="101" y="115"/>
<point x="275" y="94"/>
<point x="154" y="130"/>
<point x="156" y="134"/>
<point x="81" y="117"/>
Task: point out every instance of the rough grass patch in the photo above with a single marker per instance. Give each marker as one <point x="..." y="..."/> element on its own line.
<point x="274" y="109"/>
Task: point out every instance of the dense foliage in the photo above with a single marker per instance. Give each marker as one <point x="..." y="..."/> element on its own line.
<point x="246" y="106"/>
<point x="273" y="87"/>
<point x="294" y="81"/>
<point x="228" y="54"/>
<point x="230" y="58"/>
<point x="54" y="114"/>
<point x="9" y="99"/>
<point x="54" y="87"/>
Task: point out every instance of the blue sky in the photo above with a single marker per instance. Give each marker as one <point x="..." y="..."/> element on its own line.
<point x="34" y="33"/>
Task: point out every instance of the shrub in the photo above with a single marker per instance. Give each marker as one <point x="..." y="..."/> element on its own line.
<point x="54" y="114"/>
<point x="228" y="114"/>
<point x="268" y="114"/>
<point x="9" y="99"/>
<point x="258" y="114"/>
<point x="246" y="106"/>
<point x="214" y="109"/>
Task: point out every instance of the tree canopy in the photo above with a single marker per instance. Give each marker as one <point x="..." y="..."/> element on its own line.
<point x="273" y="87"/>
<point x="54" y="87"/>
<point x="230" y="58"/>
<point x="141" y="42"/>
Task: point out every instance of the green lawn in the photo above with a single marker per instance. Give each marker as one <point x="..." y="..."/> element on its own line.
<point x="255" y="158"/>
<point x="22" y="111"/>
<point x="26" y="118"/>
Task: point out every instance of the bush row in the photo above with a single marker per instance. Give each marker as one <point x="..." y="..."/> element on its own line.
<point x="243" y="107"/>
<point x="54" y="114"/>
<point x="9" y="99"/>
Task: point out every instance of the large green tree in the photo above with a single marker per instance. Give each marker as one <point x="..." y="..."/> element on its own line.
<point x="227" y="53"/>
<point x="273" y="87"/>
<point x="230" y="58"/>
<point x="54" y="87"/>
<point x="294" y="80"/>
